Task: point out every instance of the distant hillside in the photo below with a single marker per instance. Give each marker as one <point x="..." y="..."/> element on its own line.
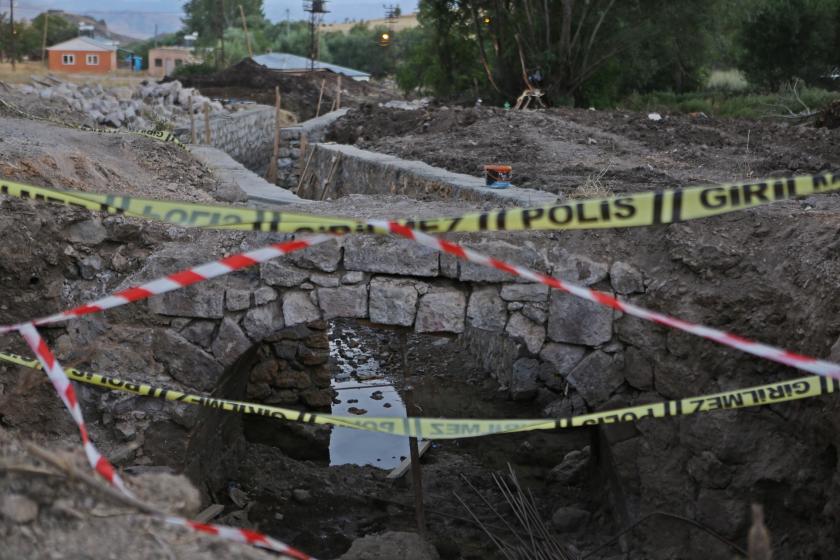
<point x="101" y="29"/>
<point x="403" y="22"/>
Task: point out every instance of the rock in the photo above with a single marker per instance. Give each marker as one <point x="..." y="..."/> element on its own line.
<point x="571" y="468"/>
<point x="86" y="232"/>
<point x="525" y="292"/>
<point x="230" y="342"/>
<point x="562" y="358"/>
<point x="262" y="321"/>
<point x="325" y="280"/>
<point x="389" y="255"/>
<point x="569" y="519"/>
<point x="264" y="295"/>
<point x="301" y="496"/>
<point x="577" y="268"/>
<point x="520" y="254"/>
<point x="346" y="301"/>
<point x="530" y="332"/>
<point x="317" y="398"/>
<point x="200" y="332"/>
<point x="392" y="301"/>
<point x="237" y="300"/>
<point x="573" y="405"/>
<point x="523" y="381"/>
<point x="441" y="310"/>
<point x="18" y="508"/>
<point x="596" y="377"/>
<point x="90" y="266"/>
<point x="298" y="308"/>
<point x="578" y="321"/>
<point x="352" y="277"/>
<point x="184" y="361"/>
<point x="200" y="301"/>
<point x="486" y="309"/>
<point x="626" y="279"/>
<point x="638" y="371"/>
<point x="391" y="545"/>
<point x="537" y="312"/>
<point x="282" y="273"/>
<point x="324" y="256"/>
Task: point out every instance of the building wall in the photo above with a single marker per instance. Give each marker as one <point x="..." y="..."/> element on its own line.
<point x="168" y="58"/>
<point x="107" y="62"/>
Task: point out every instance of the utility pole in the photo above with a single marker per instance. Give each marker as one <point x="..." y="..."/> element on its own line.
<point x="44" y="43"/>
<point x="12" y="29"/>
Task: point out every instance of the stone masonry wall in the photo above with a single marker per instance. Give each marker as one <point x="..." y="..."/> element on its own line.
<point x="314" y="130"/>
<point x="356" y="171"/>
<point x="247" y="136"/>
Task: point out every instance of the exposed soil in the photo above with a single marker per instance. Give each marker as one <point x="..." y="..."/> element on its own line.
<point x="251" y="81"/>
<point x="769" y="273"/>
<point x="559" y="149"/>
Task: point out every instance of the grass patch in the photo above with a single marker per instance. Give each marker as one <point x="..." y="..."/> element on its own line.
<point x="24" y="71"/>
<point x="727" y="80"/>
<point x="728" y="104"/>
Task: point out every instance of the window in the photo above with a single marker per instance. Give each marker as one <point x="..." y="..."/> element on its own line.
<point x="68" y="59"/>
<point x="178" y="62"/>
<point x="158" y="63"/>
<point x="92" y="60"/>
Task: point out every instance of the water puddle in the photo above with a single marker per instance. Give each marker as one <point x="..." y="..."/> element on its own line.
<point x="365" y="388"/>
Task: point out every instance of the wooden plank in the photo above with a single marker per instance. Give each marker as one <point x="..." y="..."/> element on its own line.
<point x="403" y="467"/>
<point x="210" y="512"/>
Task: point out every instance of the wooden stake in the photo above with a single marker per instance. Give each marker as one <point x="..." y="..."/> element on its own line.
<point x="304" y="144"/>
<point x="320" y="96"/>
<point x="338" y="94"/>
<point x="193" y="139"/>
<point x="330" y="175"/>
<point x="416" y="475"/>
<point x="206" y="123"/>
<point x="303" y="173"/>
<point x="245" y="28"/>
<point x="271" y="176"/>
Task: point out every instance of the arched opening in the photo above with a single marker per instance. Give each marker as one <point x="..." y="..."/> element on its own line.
<point x="320" y="488"/>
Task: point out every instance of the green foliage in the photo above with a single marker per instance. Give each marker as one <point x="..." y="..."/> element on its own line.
<point x="190" y="70"/>
<point x="745" y="105"/>
<point x="207" y="18"/>
<point x="31" y="34"/>
<point x="786" y="39"/>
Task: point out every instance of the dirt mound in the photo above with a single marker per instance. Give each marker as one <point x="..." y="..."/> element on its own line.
<point x="559" y="150"/>
<point x="252" y="81"/>
<point x="830" y="116"/>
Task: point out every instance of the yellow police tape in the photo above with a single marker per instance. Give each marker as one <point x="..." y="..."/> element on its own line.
<point x="632" y="210"/>
<point x="442" y="428"/>
<point x="162" y="135"/>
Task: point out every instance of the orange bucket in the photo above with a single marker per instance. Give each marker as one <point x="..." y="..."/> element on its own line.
<point x="497" y="176"/>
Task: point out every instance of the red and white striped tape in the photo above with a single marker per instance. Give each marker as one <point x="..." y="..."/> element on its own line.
<point x="181" y="279"/>
<point x="101" y="465"/>
<point x="798" y="361"/>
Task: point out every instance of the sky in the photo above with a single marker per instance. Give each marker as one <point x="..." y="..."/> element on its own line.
<point x="140" y="16"/>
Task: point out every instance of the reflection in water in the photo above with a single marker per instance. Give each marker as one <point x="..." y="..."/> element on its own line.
<point x="364" y="389"/>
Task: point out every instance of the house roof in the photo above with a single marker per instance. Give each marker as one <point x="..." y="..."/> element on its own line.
<point x="82" y="44"/>
<point x="290" y="62"/>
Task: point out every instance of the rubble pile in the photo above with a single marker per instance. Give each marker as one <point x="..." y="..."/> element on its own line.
<point x="134" y="108"/>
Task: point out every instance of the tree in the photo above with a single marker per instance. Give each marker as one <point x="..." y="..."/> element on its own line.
<point x="574" y="44"/>
<point x="58" y="30"/>
<point x="210" y="19"/>
<point x="786" y="39"/>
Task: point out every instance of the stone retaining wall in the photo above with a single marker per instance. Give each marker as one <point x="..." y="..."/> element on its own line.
<point x="363" y="172"/>
<point x="314" y="130"/>
<point x="247" y="136"/>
